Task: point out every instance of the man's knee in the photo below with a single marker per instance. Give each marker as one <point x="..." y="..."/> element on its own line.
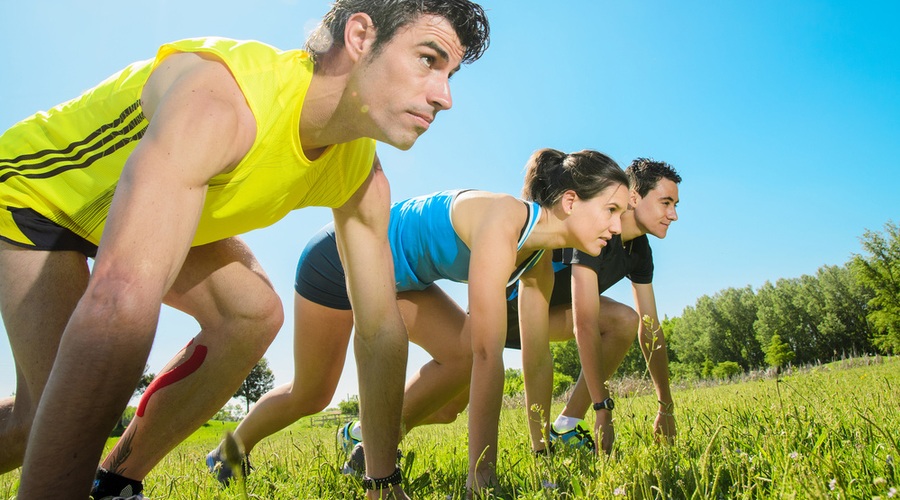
<point x="269" y="315"/>
<point x="621" y="321"/>
<point x="13" y="437"/>
<point x="260" y="319"/>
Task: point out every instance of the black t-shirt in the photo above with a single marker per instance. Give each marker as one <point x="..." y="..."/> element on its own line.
<point x="632" y="260"/>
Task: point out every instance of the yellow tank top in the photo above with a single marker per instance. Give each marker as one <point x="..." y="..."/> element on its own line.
<point x="65" y="163"/>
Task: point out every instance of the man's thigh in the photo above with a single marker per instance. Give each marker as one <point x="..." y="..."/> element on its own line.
<point x="38" y="292"/>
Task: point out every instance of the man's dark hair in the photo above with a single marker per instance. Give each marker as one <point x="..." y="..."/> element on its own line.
<point x="645" y="173"/>
<point x="467" y="18"/>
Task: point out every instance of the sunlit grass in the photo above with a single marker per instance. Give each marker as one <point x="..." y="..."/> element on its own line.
<point x="829" y="432"/>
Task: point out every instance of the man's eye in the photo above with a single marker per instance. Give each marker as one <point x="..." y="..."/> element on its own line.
<point x="427" y="61"/>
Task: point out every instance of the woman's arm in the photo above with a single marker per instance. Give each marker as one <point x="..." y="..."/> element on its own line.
<point x="586" y="317"/>
<point x="491" y="237"/>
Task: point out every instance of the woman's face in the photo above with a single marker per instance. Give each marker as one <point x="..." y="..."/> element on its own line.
<point x="592" y="222"/>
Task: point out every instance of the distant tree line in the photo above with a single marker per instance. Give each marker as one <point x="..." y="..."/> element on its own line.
<point x="847" y="310"/>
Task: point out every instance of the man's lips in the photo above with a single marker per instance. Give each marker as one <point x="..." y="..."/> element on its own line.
<point x="423" y="119"/>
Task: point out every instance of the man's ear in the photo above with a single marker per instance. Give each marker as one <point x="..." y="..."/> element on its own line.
<point x="633" y="198"/>
<point x="359" y="35"/>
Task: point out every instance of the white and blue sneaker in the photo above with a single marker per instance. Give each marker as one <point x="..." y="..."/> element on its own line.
<point x="219" y="467"/>
<point x="349" y="440"/>
<point x="578" y="437"/>
<point x="349" y="435"/>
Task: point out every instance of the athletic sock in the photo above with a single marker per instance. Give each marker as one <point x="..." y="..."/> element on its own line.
<point x="110" y="484"/>
<point x="565" y="424"/>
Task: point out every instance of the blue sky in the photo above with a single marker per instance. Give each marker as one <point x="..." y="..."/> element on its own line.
<point x="782" y="117"/>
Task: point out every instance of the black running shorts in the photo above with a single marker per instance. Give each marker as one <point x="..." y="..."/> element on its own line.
<point x="45" y="234"/>
<point x="320" y="274"/>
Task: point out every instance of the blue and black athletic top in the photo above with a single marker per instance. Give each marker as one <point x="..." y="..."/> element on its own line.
<point x="424" y="245"/>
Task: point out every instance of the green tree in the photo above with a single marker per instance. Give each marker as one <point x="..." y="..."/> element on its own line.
<point x="733" y="338"/>
<point x="842" y="307"/>
<point x="879" y="270"/>
<point x="349" y="406"/>
<point x="145" y="381"/>
<point x="513" y="382"/>
<point x="779" y="313"/>
<point x="565" y="358"/>
<point x="689" y="338"/>
<point x="231" y="412"/>
<point x="260" y="381"/>
<point x="778" y="353"/>
<point x="717" y="329"/>
<point x="820" y="317"/>
<point x="727" y="369"/>
<point x="561" y="383"/>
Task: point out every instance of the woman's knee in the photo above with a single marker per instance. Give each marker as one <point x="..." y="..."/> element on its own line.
<point x="307" y="401"/>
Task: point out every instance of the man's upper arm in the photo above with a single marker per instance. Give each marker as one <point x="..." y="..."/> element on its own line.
<point x="645" y="302"/>
<point x="585" y="297"/>
<point x="535" y="288"/>
<point x="198" y="129"/>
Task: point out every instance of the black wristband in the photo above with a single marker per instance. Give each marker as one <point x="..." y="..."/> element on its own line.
<point x="377" y="484"/>
<point x="606" y="404"/>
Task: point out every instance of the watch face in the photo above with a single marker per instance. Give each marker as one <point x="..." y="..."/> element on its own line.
<point x="606" y="404"/>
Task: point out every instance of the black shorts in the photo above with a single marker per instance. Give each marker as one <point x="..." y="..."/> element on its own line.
<point x="562" y="294"/>
<point x="320" y="274"/>
<point x="47" y="235"/>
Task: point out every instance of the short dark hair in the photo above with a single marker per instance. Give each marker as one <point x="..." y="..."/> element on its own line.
<point x="645" y="173"/>
<point x="467" y="18"/>
<point x="549" y="173"/>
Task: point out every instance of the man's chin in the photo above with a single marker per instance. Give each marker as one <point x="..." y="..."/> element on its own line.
<point x="403" y="144"/>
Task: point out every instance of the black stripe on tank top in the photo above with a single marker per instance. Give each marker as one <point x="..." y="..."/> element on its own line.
<point x="107" y="139"/>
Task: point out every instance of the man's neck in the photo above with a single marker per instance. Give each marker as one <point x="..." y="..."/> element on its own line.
<point x="630" y="229"/>
<point x="321" y="119"/>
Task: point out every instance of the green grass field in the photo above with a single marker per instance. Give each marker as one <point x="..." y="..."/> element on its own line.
<point x="826" y="432"/>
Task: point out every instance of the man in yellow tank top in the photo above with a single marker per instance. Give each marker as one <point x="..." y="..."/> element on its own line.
<point x="154" y="173"/>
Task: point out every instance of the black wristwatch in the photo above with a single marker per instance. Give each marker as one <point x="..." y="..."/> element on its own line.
<point x="377" y="484"/>
<point x="606" y="404"/>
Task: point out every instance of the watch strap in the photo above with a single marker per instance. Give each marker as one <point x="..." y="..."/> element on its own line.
<point x="606" y="404"/>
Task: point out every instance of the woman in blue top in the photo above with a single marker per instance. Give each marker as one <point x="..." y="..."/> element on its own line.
<point x="486" y="239"/>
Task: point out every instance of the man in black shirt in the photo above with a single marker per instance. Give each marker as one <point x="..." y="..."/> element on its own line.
<point x="604" y="328"/>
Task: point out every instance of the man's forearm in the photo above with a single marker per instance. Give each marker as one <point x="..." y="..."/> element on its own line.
<point x="589" y="353"/>
<point x="653" y="345"/>
<point x="76" y="423"/>
<point x="381" y="366"/>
